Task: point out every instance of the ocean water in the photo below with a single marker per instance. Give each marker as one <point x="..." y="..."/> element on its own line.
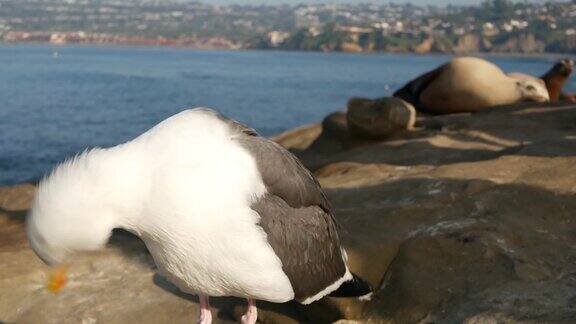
<point x="56" y="101"/>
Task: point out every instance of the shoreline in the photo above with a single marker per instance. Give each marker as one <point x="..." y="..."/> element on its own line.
<point x="544" y="55"/>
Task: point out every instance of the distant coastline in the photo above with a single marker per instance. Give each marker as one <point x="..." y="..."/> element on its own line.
<point x="218" y="43"/>
<point x="495" y="26"/>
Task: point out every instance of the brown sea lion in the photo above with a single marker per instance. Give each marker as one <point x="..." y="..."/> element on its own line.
<point x="412" y="90"/>
<point x="568" y="97"/>
<point x="468" y="84"/>
<point x="556" y="77"/>
<point x="526" y="77"/>
<point x="522" y="77"/>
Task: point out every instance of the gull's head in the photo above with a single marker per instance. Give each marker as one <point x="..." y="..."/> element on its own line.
<point x="69" y="213"/>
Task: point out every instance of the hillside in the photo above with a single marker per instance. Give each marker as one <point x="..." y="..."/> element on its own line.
<point x="495" y="26"/>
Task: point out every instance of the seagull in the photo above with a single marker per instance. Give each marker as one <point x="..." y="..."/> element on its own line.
<point x="222" y="210"/>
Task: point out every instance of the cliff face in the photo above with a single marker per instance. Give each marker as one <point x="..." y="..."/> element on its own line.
<point x="467" y="218"/>
<point x="471" y="43"/>
<point x="521" y="44"/>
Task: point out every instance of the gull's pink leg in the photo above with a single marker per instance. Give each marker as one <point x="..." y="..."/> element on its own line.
<point x="205" y="314"/>
<point x="251" y="314"/>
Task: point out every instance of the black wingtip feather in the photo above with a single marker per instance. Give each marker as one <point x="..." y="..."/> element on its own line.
<point x="355" y="287"/>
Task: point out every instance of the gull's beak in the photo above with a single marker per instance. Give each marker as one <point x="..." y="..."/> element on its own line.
<point x="57" y="279"/>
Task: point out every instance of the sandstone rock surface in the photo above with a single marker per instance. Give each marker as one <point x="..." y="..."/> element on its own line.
<point x="379" y="118"/>
<point x="466" y="219"/>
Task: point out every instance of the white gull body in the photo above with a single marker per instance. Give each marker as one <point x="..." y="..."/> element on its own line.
<point x="222" y="211"/>
<point x="196" y="218"/>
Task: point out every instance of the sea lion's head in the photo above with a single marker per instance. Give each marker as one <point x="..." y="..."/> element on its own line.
<point x="563" y="67"/>
<point x="556" y="77"/>
<point x="532" y="90"/>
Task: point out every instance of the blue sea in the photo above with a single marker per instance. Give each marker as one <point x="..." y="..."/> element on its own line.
<point x="58" y="100"/>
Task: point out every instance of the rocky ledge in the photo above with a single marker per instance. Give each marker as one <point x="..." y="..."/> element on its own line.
<point x="461" y="219"/>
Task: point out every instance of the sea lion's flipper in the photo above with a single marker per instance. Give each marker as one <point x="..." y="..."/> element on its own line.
<point x="412" y="90"/>
<point x="567" y="97"/>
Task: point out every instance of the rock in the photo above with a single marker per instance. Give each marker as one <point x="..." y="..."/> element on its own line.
<point x="442" y="44"/>
<point x="470" y="220"/>
<point x="468" y="43"/>
<point x="471" y="43"/>
<point x="478" y="212"/>
<point x="351" y="47"/>
<point x="334" y="135"/>
<point x="379" y="118"/>
<point x="299" y="138"/>
<point x="16" y="198"/>
<point x="524" y="43"/>
<point x="425" y="46"/>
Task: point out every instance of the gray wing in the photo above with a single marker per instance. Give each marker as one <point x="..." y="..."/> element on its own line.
<point x="284" y="175"/>
<point x="296" y="216"/>
<point x="306" y="241"/>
